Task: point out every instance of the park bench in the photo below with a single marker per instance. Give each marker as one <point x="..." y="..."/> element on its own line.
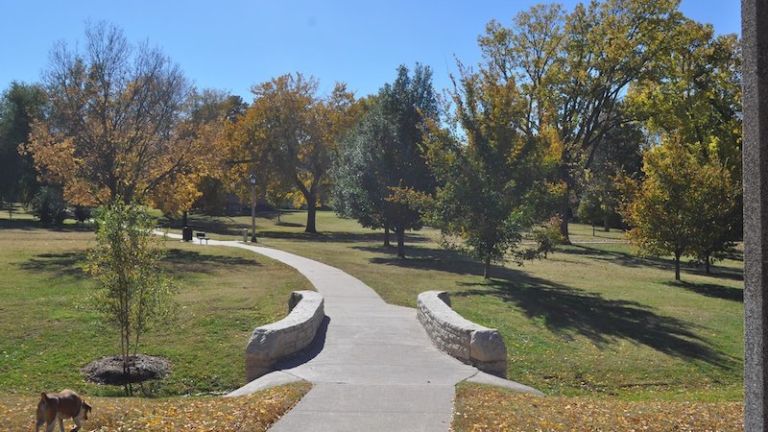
<point x="202" y="236"/>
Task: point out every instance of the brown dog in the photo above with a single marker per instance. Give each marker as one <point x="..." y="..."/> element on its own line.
<point x="60" y="406"/>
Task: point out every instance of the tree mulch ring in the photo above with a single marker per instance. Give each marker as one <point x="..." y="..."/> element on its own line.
<point x="109" y="370"/>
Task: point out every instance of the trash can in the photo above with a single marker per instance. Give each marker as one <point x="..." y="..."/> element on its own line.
<point x="186" y="234"/>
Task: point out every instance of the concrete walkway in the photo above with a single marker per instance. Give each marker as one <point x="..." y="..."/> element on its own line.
<point x="375" y="369"/>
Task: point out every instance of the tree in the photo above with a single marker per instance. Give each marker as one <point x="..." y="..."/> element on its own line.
<point x="48" y="205"/>
<point x="677" y="206"/>
<point x="133" y="293"/>
<point x="698" y="100"/>
<point x="116" y="125"/>
<point x="295" y="132"/>
<point x="20" y="104"/>
<point x="493" y="178"/>
<point x="360" y="182"/>
<point x="697" y="94"/>
<point x="619" y="153"/>
<point x="574" y="68"/>
<point x="382" y="175"/>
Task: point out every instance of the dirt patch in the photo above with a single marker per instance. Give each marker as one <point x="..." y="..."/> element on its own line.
<point x="109" y="370"/>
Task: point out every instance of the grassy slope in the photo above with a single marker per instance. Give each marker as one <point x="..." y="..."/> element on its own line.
<point x="49" y="329"/>
<point x="250" y="413"/>
<point x="591" y="319"/>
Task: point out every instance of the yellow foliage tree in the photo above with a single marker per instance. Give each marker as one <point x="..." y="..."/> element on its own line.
<point x="119" y="125"/>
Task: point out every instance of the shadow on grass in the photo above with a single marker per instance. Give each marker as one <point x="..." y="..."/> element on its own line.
<point x="631" y="260"/>
<point x="31" y="224"/>
<point x="60" y="264"/>
<point x="568" y="311"/>
<point x="710" y="290"/>
<point x="337" y="236"/>
<point x="180" y="261"/>
<point x="423" y="258"/>
<point x="176" y="262"/>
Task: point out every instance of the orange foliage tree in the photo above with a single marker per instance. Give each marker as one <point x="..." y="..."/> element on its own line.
<point x="288" y="137"/>
<point x="119" y="125"/>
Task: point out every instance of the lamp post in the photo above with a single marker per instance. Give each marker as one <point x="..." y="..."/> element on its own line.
<point x="252" y="181"/>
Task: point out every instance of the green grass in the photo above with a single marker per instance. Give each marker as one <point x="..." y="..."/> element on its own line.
<point x="50" y="330"/>
<point x="593" y="319"/>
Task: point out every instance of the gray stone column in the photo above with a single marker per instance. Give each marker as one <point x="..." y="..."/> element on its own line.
<point x="755" y="155"/>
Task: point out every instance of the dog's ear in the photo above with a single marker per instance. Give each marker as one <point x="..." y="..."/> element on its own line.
<point x="44" y="396"/>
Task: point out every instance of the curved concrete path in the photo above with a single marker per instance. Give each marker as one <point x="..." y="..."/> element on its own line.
<point x="375" y="370"/>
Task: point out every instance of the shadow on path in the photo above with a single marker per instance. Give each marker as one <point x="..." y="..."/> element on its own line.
<point x="308" y="353"/>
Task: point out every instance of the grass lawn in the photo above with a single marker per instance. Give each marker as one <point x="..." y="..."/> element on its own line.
<point x="249" y="413"/>
<point x="593" y="319"/>
<point x="50" y="330"/>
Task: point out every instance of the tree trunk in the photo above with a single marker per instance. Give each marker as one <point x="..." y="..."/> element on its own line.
<point x="311" y="214"/>
<point x="486" y="267"/>
<point x="400" y="232"/>
<point x="677" y="266"/>
<point x="606" y="226"/>
<point x="706" y="264"/>
<point x="564" y="229"/>
<point x="184" y="219"/>
<point x="565" y="207"/>
<point x="386" y="235"/>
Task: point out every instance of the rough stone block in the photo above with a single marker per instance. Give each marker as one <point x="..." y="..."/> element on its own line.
<point x="460" y="338"/>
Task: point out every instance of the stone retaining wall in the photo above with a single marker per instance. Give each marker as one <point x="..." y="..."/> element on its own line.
<point x="471" y="343"/>
<point x="271" y="342"/>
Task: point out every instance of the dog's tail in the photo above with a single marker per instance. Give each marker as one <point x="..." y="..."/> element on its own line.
<point x="87" y="409"/>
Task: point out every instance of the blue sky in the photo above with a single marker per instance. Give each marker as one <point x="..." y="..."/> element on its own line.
<point x="236" y="44"/>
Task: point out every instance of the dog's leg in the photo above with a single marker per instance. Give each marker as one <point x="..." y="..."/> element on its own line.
<point x="50" y="425"/>
<point x="78" y="423"/>
<point x="61" y="424"/>
<point x="38" y="423"/>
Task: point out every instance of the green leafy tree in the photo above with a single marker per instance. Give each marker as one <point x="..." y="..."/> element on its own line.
<point x="678" y="204"/>
<point x="381" y="171"/>
<point x="698" y="100"/>
<point x="360" y="183"/>
<point x="620" y="153"/>
<point x="573" y="69"/>
<point x="20" y="105"/>
<point x="133" y="292"/>
<point x="48" y="205"/>
<point x="493" y="177"/>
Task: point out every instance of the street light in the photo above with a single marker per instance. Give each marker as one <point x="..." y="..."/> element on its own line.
<point x="252" y="181"/>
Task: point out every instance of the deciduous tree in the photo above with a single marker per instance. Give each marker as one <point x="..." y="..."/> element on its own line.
<point x="133" y="292"/>
<point x="574" y="68"/>
<point x="381" y="172"/>
<point x="20" y="104"/>
<point x="296" y="132"/>
<point x="673" y="210"/>
<point x="493" y="177"/>
<point x="115" y="127"/>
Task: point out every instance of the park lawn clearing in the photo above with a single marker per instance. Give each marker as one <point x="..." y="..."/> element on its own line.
<point x="255" y="412"/>
<point x="50" y="330"/>
<point x="484" y="408"/>
<point x="592" y="319"/>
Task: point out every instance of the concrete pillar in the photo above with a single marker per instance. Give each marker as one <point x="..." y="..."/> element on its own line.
<point x="755" y="155"/>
